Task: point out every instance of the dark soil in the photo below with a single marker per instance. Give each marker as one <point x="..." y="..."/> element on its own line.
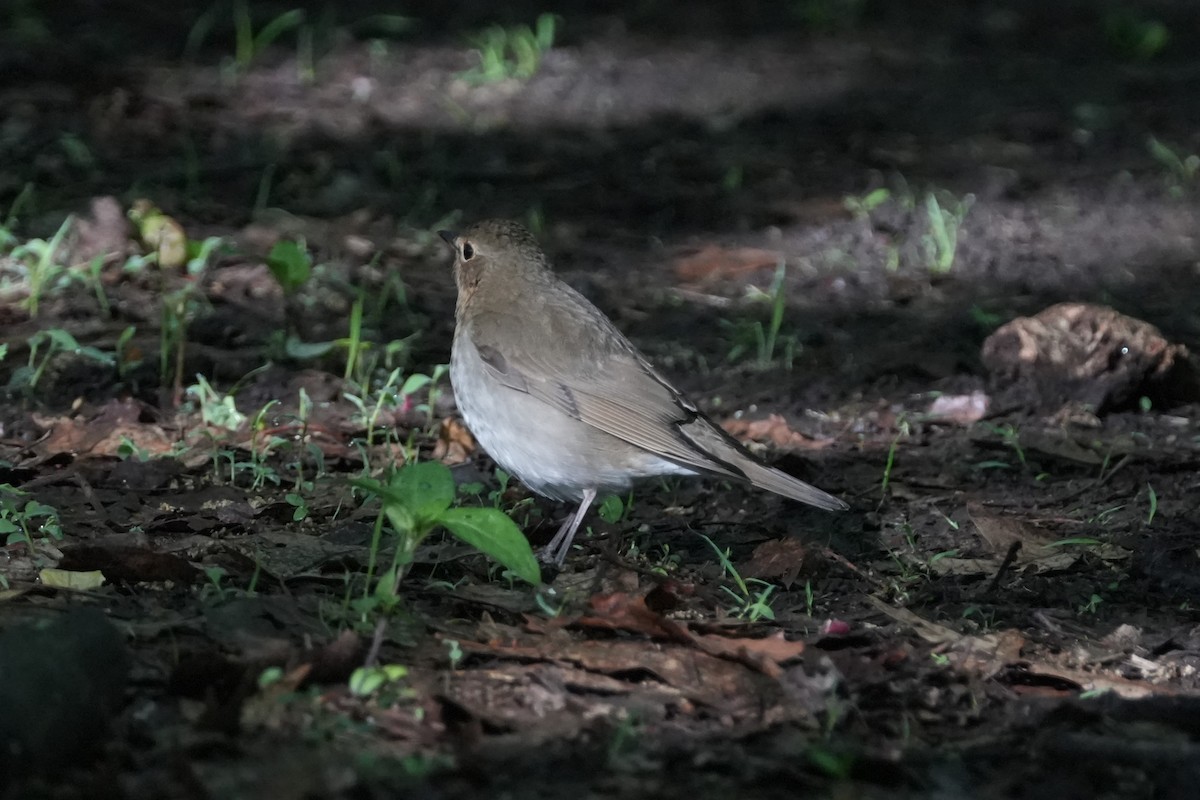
<point x="1008" y="610"/>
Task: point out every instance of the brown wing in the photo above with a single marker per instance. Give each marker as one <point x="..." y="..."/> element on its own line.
<point x="553" y="344"/>
<point x="589" y="370"/>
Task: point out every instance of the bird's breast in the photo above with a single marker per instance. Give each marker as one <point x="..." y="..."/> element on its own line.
<point x="550" y="451"/>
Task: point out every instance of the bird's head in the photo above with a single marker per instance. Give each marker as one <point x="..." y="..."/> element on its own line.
<point x="494" y="248"/>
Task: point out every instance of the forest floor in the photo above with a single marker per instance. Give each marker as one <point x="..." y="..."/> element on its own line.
<point x="809" y="215"/>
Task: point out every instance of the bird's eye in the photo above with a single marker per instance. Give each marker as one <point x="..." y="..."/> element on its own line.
<point x="468" y="252"/>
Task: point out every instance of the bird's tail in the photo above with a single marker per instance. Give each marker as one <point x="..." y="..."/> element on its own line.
<point x="725" y="455"/>
<point x="773" y="480"/>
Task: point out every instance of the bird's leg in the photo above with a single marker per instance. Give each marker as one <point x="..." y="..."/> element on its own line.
<point x="556" y="551"/>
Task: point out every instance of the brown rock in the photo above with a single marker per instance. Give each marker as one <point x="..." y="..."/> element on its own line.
<point x="1090" y="354"/>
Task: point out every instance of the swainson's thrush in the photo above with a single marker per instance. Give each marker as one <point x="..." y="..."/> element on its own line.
<point x="562" y="400"/>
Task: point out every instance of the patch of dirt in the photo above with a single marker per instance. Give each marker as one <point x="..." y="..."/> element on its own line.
<point x="1008" y="610"/>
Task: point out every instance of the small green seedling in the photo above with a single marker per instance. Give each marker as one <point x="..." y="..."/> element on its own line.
<point x="751" y="604"/>
<point x="861" y="207"/>
<point x="56" y="341"/>
<point x="39" y="260"/>
<point x="1182" y="171"/>
<point x="511" y="53"/>
<point x="941" y="241"/>
<point x="417" y="500"/>
<point x="366" y="681"/>
<point x="26" y="520"/>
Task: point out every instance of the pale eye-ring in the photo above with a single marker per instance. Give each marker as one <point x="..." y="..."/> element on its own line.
<point x="468" y="252"/>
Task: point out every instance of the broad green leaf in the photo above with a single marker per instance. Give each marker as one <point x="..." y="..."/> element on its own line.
<point x="426" y="489"/>
<point x="413" y="384"/>
<point x="402" y="519"/>
<point x="377" y="488"/>
<point x="612" y="509"/>
<point x="490" y="531"/>
<point x="366" y="680"/>
<point x="394" y="672"/>
<point x="290" y="263"/>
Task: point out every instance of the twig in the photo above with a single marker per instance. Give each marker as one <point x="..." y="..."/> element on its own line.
<point x="1010" y="558"/>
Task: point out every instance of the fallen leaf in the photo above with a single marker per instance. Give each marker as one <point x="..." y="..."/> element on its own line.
<point x="1037" y="678"/>
<point x="455" y="444"/>
<point x="620" y="611"/>
<point x="764" y="654"/>
<point x="1037" y="548"/>
<point x="703" y="678"/>
<point x="929" y="631"/>
<point x="714" y="263"/>
<point x="75" y="581"/>
<point x="777" y="559"/>
<point x="986" y="655"/>
<point x="773" y="430"/>
<point x="105" y="433"/>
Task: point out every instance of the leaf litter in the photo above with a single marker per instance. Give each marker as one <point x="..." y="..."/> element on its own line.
<point x="1024" y="571"/>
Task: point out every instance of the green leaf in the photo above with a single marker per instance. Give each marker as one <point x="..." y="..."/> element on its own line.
<point x="612" y="509"/>
<point x="59" y="337"/>
<point x="403" y="520"/>
<point x="277" y="27"/>
<point x="426" y="489"/>
<point x="302" y="351"/>
<point x="413" y="384"/>
<point x="290" y="263"/>
<point x="366" y="680"/>
<point x="490" y="531"/>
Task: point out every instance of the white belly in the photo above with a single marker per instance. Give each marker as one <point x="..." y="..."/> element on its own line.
<point x="555" y="455"/>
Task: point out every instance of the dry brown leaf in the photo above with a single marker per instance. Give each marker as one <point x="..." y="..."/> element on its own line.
<point x="620" y="611"/>
<point x="964" y="566"/>
<point x="714" y="263"/>
<point x="1037" y="548"/>
<point x="929" y="631"/>
<point x="455" y="444"/>
<point x="1088" y="681"/>
<point x="765" y="654"/>
<point x="775" y="431"/>
<point x="103" y="434"/>
<point x="777" y="559"/>
<point x="988" y="654"/>
<point x="1059" y="445"/>
<point x="697" y="675"/>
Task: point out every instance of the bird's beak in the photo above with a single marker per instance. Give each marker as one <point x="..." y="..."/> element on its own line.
<point x="448" y="236"/>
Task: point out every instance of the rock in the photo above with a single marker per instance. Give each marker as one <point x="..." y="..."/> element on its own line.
<point x="1089" y="354"/>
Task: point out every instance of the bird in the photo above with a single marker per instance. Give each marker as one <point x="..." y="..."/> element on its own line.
<point x="561" y="399"/>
